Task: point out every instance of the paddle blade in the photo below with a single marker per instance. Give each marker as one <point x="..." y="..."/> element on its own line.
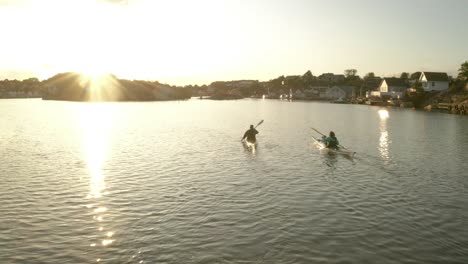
<point x="259" y="123"/>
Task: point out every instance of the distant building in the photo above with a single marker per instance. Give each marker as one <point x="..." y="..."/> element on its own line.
<point x="331" y="78"/>
<point x="434" y="81"/>
<point x="369" y="85"/>
<point x="298" y="94"/>
<point x="316" y="92"/>
<point x="241" y="84"/>
<point x="335" y="92"/>
<point x="415" y="76"/>
<point x="391" y="87"/>
<point x="340" y="92"/>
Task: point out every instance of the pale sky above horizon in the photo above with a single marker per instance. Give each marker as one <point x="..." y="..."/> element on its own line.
<point x="197" y="42"/>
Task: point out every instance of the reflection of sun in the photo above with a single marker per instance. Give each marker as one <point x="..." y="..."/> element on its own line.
<point x="96" y="121"/>
<point x="383" y="144"/>
<point x="383" y="140"/>
<point x="383" y="114"/>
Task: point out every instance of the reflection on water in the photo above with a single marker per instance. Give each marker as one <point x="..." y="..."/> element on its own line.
<point x="383" y="140"/>
<point x="96" y="120"/>
<point x="330" y="160"/>
<point x="383" y="113"/>
<point x="251" y="148"/>
<point x="182" y="190"/>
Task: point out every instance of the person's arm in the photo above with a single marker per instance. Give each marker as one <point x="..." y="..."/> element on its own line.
<point x="245" y="135"/>
<point x="256" y="132"/>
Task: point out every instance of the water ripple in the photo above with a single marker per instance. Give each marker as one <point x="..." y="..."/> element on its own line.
<point x="179" y="187"/>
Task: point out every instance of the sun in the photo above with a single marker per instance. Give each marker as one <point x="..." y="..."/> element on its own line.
<point x="100" y="86"/>
<point x="92" y="72"/>
<point x="93" y="79"/>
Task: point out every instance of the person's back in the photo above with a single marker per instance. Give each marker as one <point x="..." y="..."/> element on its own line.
<point x="250" y="134"/>
<point x="331" y="141"/>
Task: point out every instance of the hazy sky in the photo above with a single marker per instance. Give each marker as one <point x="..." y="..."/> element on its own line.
<point x="197" y="42"/>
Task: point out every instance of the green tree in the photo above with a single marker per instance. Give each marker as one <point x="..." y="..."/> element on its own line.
<point x="308" y="78"/>
<point x="293" y="82"/>
<point x="457" y="85"/>
<point x="369" y="76"/>
<point x="463" y="71"/>
<point x="349" y="73"/>
<point x="418" y="87"/>
<point x="276" y="84"/>
<point x="417" y="96"/>
<point x="404" y="76"/>
<point x="352" y="79"/>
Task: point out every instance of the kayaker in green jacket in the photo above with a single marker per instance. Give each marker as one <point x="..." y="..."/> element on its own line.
<point x="331" y="141"/>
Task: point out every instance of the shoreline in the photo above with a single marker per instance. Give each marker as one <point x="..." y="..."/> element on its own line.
<point x="446" y="108"/>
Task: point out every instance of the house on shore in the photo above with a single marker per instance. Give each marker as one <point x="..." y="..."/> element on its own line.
<point x="414" y="77"/>
<point x="325" y="92"/>
<point x="241" y="84"/>
<point x="390" y="88"/>
<point x="369" y="85"/>
<point x="434" y="81"/>
<point x="340" y="92"/>
<point x="316" y="92"/>
<point x="331" y="78"/>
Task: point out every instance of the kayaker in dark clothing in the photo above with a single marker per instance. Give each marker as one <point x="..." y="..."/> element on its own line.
<point x="331" y="141"/>
<point x="250" y="134"/>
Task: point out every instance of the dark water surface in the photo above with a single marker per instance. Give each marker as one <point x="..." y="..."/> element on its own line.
<point x="170" y="182"/>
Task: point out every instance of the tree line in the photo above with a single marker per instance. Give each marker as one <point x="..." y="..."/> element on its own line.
<point x="71" y="85"/>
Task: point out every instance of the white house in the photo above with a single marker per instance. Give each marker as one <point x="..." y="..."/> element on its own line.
<point x="434" y="81"/>
<point x="370" y="87"/>
<point x="391" y="87"/>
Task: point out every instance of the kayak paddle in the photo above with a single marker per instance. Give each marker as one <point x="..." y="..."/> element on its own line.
<point x="339" y="145"/>
<point x="259" y="123"/>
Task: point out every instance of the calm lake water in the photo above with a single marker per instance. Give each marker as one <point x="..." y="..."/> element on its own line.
<point x="170" y="182"/>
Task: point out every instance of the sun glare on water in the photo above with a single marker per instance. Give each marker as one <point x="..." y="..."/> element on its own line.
<point x="384" y="141"/>
<point x="95" y="120"/>
<point x="383" y="114"/>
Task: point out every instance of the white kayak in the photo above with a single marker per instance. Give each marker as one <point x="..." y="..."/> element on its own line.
<point x="249" y="144"/>
<point x="341" y="151"/>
